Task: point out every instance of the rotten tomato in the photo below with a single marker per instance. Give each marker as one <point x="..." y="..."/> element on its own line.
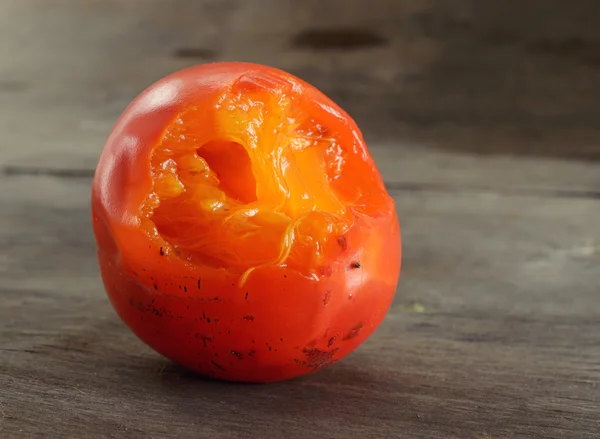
<point x="243" y="229"/>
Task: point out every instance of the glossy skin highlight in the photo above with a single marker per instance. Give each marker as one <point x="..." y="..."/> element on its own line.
<point x="243" y="229"/>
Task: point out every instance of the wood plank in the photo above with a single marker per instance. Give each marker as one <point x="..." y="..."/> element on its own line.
<point x="494" y="333"/>
<point x="483" y="119"/>
<point x="451" y="76"/>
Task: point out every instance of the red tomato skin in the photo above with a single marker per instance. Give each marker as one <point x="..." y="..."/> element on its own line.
<point x="281" y="323"/>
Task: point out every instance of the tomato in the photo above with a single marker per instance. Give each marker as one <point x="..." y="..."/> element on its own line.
<point x="243" y="229"/>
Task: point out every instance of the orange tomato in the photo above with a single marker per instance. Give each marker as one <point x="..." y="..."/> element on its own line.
<point x="243" y="229"/>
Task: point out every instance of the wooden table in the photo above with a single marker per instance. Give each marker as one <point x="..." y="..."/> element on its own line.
<point x="484" y="122"/>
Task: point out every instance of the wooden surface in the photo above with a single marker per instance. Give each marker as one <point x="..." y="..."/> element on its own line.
<point x="484" y="122"/>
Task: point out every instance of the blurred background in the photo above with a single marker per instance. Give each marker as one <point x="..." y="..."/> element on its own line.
<point x="489" y="77"/>
<point x="484" y="119"/>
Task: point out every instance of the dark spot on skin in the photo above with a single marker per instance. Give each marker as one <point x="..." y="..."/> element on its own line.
<point x="343" y="242"/>
<point x="218" y="366"/>
<point x="228" y="332"/>
<point x="355" y="264"/>
<point x="280" y="338"/>
<point x="152" y="300"/>
<point x="354" y="331"/>
<point x="185" y="288"/>
<point x="237" y="354"/>
<point x="194" y="53"/>
<point x="187" y="307"/>
<point x="248" y="317"/>
<point x="326" y="297"/>
<point x="208" y="319"/>
<point x="246" y="296"/>
<point x="332" y="341"/>
<point x="285" y="275"/>
<point x="317" y="359"/>
<point x="199" y="283"/>
<point x="162" y="252"/>
<point x="233" y="284"/>
<point x="252" y="341"/>
<point x="251" y="353"/>
<point x="155" y="287"/>
<point x="203" y="315"/>
<point x="337" y="39"/>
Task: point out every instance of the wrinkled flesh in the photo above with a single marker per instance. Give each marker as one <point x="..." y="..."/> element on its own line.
<point x="253" y="181"/>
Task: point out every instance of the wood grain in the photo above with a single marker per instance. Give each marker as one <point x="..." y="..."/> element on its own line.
<point x="494" y="332"/>
<point x="483" y="121"/>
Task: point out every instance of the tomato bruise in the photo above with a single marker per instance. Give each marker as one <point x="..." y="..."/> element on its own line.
<point x="243" y="229"/>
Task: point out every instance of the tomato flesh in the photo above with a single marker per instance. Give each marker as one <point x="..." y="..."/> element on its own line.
<point x="257" y="241"/>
